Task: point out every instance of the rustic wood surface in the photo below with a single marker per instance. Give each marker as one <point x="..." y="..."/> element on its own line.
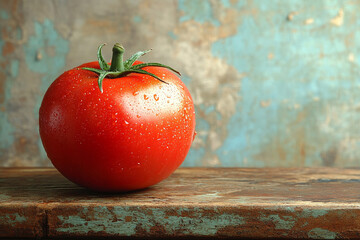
<point x="193" y="202"/>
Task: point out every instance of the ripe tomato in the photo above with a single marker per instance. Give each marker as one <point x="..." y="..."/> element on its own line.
<point x="130" y="136"/>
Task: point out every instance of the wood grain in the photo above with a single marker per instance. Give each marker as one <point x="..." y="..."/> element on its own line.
<point x="194" y="202"/>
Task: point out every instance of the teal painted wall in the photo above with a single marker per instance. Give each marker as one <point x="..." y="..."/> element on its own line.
<point x="275" y="83"/>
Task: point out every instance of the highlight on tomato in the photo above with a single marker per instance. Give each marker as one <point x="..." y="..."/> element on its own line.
<point x="117" y="127"/>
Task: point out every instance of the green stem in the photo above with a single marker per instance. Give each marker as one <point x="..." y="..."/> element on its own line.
<point x="119" y="68"/>
<point x="117" y="63"/>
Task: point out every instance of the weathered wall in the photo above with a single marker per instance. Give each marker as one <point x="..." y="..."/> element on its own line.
<point x="275" y="83"/>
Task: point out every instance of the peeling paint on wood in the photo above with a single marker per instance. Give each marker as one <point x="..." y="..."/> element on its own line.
<point x="198" y="202"/>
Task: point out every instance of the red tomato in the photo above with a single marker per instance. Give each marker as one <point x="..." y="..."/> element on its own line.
<point x="130" y="136"/>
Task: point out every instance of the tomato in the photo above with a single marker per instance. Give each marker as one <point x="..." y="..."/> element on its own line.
<point x="123" y="131"/>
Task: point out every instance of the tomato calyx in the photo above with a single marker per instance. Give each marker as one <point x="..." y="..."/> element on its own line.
<point x="120" y="68"/>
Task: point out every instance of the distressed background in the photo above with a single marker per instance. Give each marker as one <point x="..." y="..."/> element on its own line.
<point x="275" y="83"/>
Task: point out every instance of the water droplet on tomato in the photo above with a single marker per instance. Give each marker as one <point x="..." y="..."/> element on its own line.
<point x="138" y="116"/>
<point x="126" y="122"/>
<point x="135" y="93"/>
<point x="167" y="94"/>
<point x="156" y="97"/>
<point x="146" y="97"/>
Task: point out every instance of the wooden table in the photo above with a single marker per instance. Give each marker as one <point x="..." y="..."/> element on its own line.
<point x="192" y="203"/>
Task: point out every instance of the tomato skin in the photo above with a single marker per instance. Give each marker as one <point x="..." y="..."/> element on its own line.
<point x="131" y="136"/>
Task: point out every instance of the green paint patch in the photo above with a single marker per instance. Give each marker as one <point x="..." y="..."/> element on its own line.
<point x="6" y="132"/>
<point x="14" y="68"/>
<point x="52" y="48"/>
<point x="12" y="219"/>
<point x="128" y="221"/>
<point x="283" y="222"/>
<point x="137" y="19"/>
<point x="199" y="10"/>
<point x="320" y="233"/>
<point x="6" y="128"/>
<point x="226" y="3"/>
<point x="45" y="53"/>
<point x="291" y="76"/>
<point x="172" y="35"/>
<point x="4" y="14"/>
<point x="315" y="213"/>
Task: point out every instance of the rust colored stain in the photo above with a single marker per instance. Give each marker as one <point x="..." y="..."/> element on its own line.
<point x="157" y="230"/>
<point x="128" y="218"/>
<point x="8" y="49"/>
